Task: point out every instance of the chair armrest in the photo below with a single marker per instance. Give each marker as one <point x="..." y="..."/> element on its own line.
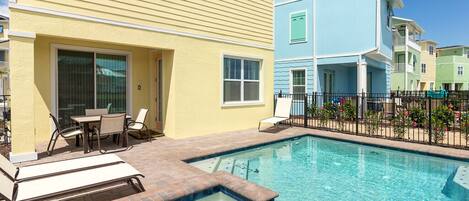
<point x="70" y="129"/>
<point x="134" y="122"/>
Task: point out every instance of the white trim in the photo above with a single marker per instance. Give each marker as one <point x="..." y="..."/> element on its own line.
<point x="290" y="82"/>
<point x="294" y="59"/>
<point x="261" y="80"/>
<point x="135" y="26"/>
<point x="306" y="26"/>
<point x="23" y="157"/>
<point x="286" y="2"/>
<point x="346" y="54"/>
<point x="22" y="34"/>
<point x="351" y="54"/>
<point x="54" y="76"/>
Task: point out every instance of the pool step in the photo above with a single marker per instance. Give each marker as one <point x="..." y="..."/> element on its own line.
<point x="241" y="168"/>
<point x="457" y="185"/>
<point x="209" y="165"/>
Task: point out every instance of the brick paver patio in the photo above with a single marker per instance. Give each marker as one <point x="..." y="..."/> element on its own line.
<point x="167" y="177"/>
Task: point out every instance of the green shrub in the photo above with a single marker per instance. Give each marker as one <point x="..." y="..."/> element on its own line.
<point x="442" y="118"/>
<point x="401" y="122"/>
<point x="418" y="116"/>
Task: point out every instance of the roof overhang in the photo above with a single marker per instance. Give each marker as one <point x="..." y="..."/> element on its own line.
<point x="453" y="47"/>
<point x="403" y="21"/>
<point x="428" y="41"/>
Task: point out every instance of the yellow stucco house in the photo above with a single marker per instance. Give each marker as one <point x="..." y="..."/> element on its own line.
<point x="200" y="67"/>
<point x="428" y="64"/>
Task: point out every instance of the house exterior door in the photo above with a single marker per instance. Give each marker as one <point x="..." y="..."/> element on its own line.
<point x="329" y="79"/>
<point x="159" y="96"/>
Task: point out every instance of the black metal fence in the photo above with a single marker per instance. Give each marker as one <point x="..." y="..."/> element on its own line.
<point x="423" y="117"/>
<point x="5" y="123"/>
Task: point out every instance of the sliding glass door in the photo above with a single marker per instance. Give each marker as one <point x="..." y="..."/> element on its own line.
<point x="111" y="71"/>
<point x="89" y="80"/>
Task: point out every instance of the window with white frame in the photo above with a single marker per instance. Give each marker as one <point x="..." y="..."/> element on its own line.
<point x="460" y="70"/>
<point x="241" y="80"/>
<point x="424" y="68"/>
<point x="2" y="55"/>
<point x="298" y="83"/>
<point x="431" y="49"/>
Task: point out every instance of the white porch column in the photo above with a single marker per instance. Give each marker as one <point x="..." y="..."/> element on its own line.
<point x="361" y="77"/>
<point x="453" y="86"/>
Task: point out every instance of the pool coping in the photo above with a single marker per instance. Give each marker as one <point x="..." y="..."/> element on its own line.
<point x="392" y="146"/>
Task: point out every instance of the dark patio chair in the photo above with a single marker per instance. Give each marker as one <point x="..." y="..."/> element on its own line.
<point x="65" y="133"/>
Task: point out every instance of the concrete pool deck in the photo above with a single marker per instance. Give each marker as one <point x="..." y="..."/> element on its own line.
<point x="168" y="177"/>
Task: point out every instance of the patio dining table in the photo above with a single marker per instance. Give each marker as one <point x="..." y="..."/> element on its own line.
<point x="86" y="121"/>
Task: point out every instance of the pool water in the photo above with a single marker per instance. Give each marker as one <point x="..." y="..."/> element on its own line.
<point x="311" y="168"/>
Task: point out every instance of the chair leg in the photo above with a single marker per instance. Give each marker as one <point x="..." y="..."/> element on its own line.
<point x="99" y="145"/>
<point x="140" y="185"/>
<point x="149" y="138"/>
<point x="50" y="148"/>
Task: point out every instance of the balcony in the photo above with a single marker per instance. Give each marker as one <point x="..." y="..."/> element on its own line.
<point x="400" y="42"/>
<point x="400" y="68"/>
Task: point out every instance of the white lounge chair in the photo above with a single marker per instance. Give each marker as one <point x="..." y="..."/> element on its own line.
<point x="282" y="112"/>
<point x="58" y="186"/>
<point x="56" y="168"/>
<point x="139" y="124"/>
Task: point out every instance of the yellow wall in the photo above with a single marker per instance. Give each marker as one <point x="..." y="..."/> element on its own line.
<point x="244" y="20"/>
<point x="192" y="75"/>
<point x="430" y="61"/>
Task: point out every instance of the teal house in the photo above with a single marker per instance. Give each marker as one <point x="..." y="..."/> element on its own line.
<point x="334" y="46"/>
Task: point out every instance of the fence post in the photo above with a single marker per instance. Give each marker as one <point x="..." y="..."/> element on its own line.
<point x="305" y="111"/>
<point x="357" y="113"/>
<point x="430" y="130"/>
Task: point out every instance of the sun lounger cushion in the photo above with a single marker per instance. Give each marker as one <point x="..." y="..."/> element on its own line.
<point x="70" y="182"/>
<point x="274" y="120"/>
<point x="45" y="169"/>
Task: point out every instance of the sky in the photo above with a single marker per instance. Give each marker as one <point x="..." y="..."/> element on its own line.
<point x="444" y="21"/>
<point x="4" y="7"/>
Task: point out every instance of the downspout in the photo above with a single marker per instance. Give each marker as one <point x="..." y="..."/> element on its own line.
<point x="406" y="57"/>
<point x="378" y="25"/>
<point x="315" y="58"/>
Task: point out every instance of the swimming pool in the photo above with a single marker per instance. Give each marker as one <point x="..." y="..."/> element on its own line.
<point x="312" y="168"/>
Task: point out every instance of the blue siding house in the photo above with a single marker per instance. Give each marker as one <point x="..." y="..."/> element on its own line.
<point x="333" y="46"/>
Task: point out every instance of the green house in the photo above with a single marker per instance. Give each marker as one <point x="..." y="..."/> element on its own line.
<point x="406" y="73"/>
<point x="452" y="63"/>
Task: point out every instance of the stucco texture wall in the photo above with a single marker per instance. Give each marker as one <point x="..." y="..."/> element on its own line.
<point x="192" y="76"/>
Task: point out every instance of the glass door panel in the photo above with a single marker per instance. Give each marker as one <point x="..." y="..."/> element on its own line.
<point x="111" y="82"/>
<point x="75" y="84"/>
